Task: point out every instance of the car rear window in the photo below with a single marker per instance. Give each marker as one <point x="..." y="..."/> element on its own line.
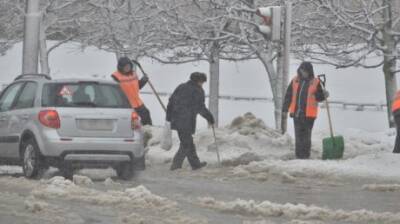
<point x="83" y="94"/>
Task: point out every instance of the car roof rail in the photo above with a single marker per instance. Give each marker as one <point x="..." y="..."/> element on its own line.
<point x="23" y="76"/>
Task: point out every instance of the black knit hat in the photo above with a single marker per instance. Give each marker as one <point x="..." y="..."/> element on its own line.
<point x="198" y="77"/>
<point x="306" y="66"/>
<point x="122" y="62"/>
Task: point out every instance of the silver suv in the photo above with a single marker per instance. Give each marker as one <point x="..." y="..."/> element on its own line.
<point x="68" y="124"/>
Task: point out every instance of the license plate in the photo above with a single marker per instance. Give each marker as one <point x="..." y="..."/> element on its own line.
<point x="95" y="124"/>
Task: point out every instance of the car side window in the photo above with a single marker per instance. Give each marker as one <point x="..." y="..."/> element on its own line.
<point x="8" y="97"/>
<point x="27" y="97"/>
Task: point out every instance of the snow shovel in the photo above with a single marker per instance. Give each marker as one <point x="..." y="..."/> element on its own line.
<point x="333" y="146"/>
<point x="151" y="85"/>
<point x="215" y="145"/>
<point x="166" y="140"/>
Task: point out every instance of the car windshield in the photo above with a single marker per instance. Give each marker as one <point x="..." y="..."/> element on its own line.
<point x="83" y="94"/>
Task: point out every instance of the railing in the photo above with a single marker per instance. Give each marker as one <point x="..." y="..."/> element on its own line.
<point x="337" y="104"/>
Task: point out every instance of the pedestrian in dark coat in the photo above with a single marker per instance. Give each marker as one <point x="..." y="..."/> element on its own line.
<point x="301" y="101"/>
<point x="187" y="101"/>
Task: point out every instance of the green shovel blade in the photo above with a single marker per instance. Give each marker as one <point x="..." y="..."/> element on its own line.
<point x="333" y="148"/>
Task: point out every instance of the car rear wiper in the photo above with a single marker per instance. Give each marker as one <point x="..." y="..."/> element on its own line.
<point x="85" y="104"/>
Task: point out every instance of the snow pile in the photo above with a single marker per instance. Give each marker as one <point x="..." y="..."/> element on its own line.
<point x="58" y="187"/>
<point x="298" y="211"/>
<point x="110" y="183"/>
<point x="82" y="180"/>
<point x="357" y="142"/>
<point x="135" y="218"/>
<point x="290" y="222"/>
<point x="35" y="206"/>
<point x="247" y="139"/>
<point x="10" y="169"/>
<point x="382" y="187"/>
<point x="377" y="166"/>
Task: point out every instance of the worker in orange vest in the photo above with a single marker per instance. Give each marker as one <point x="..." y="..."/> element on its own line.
<point x="130" y="84"/>
<point x="396" y="115"/>
<point x="301" y="101"/>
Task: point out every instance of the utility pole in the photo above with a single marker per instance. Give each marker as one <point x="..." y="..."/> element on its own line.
<point x="30" y="54"/>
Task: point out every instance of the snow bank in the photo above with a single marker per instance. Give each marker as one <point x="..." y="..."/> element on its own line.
<point x="298" y="211"/>
<point x="33" y="205"/>
<point x="257" y="151"/>
<point x="135" y="218"/>
<point x="290" y="222"/>
<point x="382" y="187"/>
<point x="247" y="139"/>
<point x="58" y="187"/>
<point x="376" y="166"/>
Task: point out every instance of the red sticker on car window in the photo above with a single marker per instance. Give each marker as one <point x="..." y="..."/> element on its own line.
<point x="65" y="92"/>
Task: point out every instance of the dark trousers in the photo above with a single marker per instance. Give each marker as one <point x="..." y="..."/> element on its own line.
<point x="397" y="143"/>
<point x="144" y="115"/>
<point x="186" y="149"/>
<point x="303" y="131"/>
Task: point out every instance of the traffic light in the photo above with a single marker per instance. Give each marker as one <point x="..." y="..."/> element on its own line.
<point x="271" y="22"/>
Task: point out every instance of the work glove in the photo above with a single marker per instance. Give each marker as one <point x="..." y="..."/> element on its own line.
<point x="211" y="120"/>
<point x="326" y="93"/>
<point x="145" y="78"/>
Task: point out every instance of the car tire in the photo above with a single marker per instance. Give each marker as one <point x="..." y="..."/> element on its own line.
<point x="33" y="163"/>
<point x="125" y="171"/>
<point x="66" y="171"/>
<point x="140" y="164"/>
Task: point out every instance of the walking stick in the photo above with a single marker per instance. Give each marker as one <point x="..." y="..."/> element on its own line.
<point x="151" y="85"/>
<point x="216" y="145"/>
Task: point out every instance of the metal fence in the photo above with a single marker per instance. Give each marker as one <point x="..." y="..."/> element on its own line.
<point x="334" y="103"/>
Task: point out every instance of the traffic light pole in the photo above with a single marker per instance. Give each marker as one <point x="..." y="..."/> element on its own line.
<point x="30" y="54"/>
<point x="286" y="55"/>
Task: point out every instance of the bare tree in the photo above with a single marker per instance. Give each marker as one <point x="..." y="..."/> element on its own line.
<point x="349" y="33"/>
<point x="11" y="26"/>
<point x="199" y="31"/>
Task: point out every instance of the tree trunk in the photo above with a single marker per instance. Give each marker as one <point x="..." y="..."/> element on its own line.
<point x="44" y="57"/>
<point x="214" y="62"/>
<point x="389" y="68"/>
<point x="276" y="89"/>
<point x="390" y="56"/>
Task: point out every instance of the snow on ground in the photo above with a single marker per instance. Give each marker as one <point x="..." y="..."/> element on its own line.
<point x="297" y="211"/>
<point x="290" y="222"/>
<point x="246" y="139"/>
<point x="58" y="187"/>
<point x="255" y="150"/>
<point x="130" y="202"/>
<point x="381" y="187"/>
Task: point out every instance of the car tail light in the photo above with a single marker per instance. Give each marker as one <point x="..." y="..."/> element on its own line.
<point x="135" y="122"/>
<point x="50" y="118"/>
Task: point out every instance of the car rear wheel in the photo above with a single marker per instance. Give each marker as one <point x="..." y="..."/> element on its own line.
<point x="125" y="171"/>
<point x="33" y="163"/>
<point x="67" y="171"/>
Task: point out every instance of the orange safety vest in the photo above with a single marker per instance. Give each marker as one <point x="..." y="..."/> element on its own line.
<point x="130" y="86"/>
<point x="396" y="102"/>
<point x="312" y="103"/>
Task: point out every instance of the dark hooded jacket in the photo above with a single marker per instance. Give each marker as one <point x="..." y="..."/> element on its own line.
<point x="186" y="102"/>
<point x="303" y="92"/>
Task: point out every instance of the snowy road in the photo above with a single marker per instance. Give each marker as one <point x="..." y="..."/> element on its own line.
<point x="182" y="196"/>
